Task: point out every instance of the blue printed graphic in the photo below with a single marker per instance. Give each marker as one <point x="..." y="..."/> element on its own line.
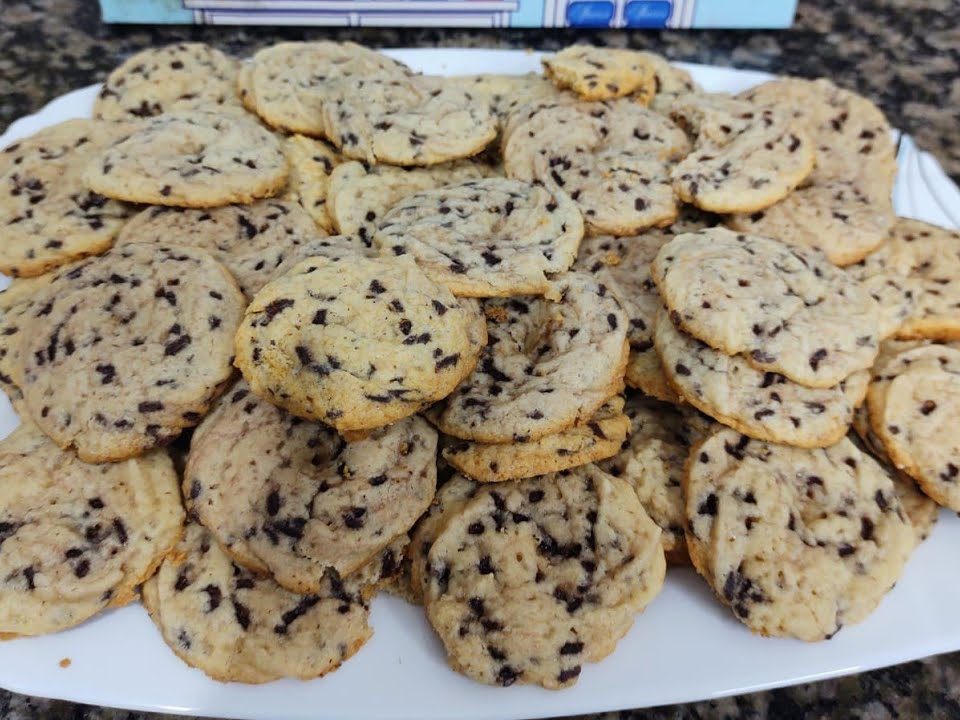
<point x="647" y="13"/>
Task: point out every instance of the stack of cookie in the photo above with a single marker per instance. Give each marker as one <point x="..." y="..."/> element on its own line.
<point x="434" y="331"/>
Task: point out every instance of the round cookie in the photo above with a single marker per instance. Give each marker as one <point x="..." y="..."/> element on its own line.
<point x="48" y="215"/>
<point x="623" y="265"/>
<point x="190" y="159"/>
<point x="359" y="195"/>
<point x="77" y="538"/>
<point x="670" y="82"/>
<point x="652" y="460"/>
<point x="532" y="579"/>
<point x="312" y="163"/>
<point x="844" y="207"/>
<point x="291" y="498"/>
<point x="926" y="260"/>
<point x="597" y="438"/>
<point x="485" y="238"/>
<point x="145" y="335"/>
<point x="914" y="401"/>
<point x="798" y="543"/>
<point x="238" y="627"/>
<point x="251" y="241"/>
<point x="184" y="76"/>
<point x="745" y="158"/>
<point x="448" y="502"/>
<point x="421" y="120"/>
<point x="357" y="344"/>
<point x="785" y="308"/>
<point x="291" y="82"/>
<point x="881" y="274"/>
<point x="546" y="366"/>
<point x="764" y="405"/>
<point x="601" y="73"/>
<point x="612" y="158"/>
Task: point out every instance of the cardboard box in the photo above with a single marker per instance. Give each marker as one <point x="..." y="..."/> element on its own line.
<point x="459" y="13"/>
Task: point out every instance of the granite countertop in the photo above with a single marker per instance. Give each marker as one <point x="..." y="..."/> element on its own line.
<point x="904" y="54"/>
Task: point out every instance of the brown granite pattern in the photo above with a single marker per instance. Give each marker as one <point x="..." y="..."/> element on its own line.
<point x="905" y="54"/>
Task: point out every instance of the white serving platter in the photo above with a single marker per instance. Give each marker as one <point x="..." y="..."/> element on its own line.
<point x="685" y="647"/>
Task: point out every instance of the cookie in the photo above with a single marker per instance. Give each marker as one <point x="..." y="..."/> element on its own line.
<point x="887" y="280"/>
<point x="652" y="460"/>
<point x="311" y="162"/>
<point x="145" y="335"/>
<point x="597" y="438"/>
<point x="623" y="265"/>
<point x="669" y="82"/>
<point x="601" y="73"/>
<point x="844" y="207"/>
<point x="291" y="498"/>
<point x="184" y="76"/>
<point x="485" y="238"/>
<point x="798" y="543"/>
<point x="764" y="405"/>
<point x="504" y="94"/>
<point x="194" y="159"/>
<point x="532" y="579"/>
<point x="16" y="307"/>
<point x="360" y="195"/>
<point x="925" y="259"/>
<point x="251" y="241"/>
<point x="448" y="502"/>
<point x="744" y="159"/>
<point x="48" y="215"/>
<point x="236" y="626"/>
<point x="77" y="538"/>
<point x="612" y="158"/>
<point x="290" y="82"/>
<point x="420" y="120"/>
<point x="245" y="86"/>
<point x="546" y="367"/>
<point x="912" y="401"/>
<point x="787" y="309"/>
<point x="357" y="344"/>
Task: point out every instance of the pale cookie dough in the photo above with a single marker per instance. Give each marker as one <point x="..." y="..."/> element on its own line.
<point x="184" y="76"/>
<point x="914" y="402"/>
<point x="251" y="241"/>
<point x="546" y="366"/>
<point x="745" y="158"/>
<point x="600" y="73"/>
<point x="291" y="498"/>
<point x="844" y="207"/>
<point x="485" y="238"/>
<point x="798" y="543"/>
<point x="764" y="405"/>
<point x="48" y="215"/>
<point x="128" y="349"/>
<point x="358" y="196"/>
<point x="787" y="309"/>
<point x="77" y="538"/>
<point x="356" y="342"/>
<point x="190" y="159"/>
<point x="311" y="162"/>
<point x="290" y="83"/>
<point x="238" y="627"/>
<point x="421" y="120"/>
<point x="652" y="460"/>
<point x="612" y="158"/>
<point x="532" y="579"/>
<point x="597" y="438"/>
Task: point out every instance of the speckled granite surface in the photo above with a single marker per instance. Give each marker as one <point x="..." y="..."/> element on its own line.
<point x="905" y="54"/>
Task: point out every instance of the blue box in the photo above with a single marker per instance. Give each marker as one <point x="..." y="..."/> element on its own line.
<point x="459" y="13"/>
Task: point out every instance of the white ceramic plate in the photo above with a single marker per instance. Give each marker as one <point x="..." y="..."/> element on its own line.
<point x="685" y="647"/>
